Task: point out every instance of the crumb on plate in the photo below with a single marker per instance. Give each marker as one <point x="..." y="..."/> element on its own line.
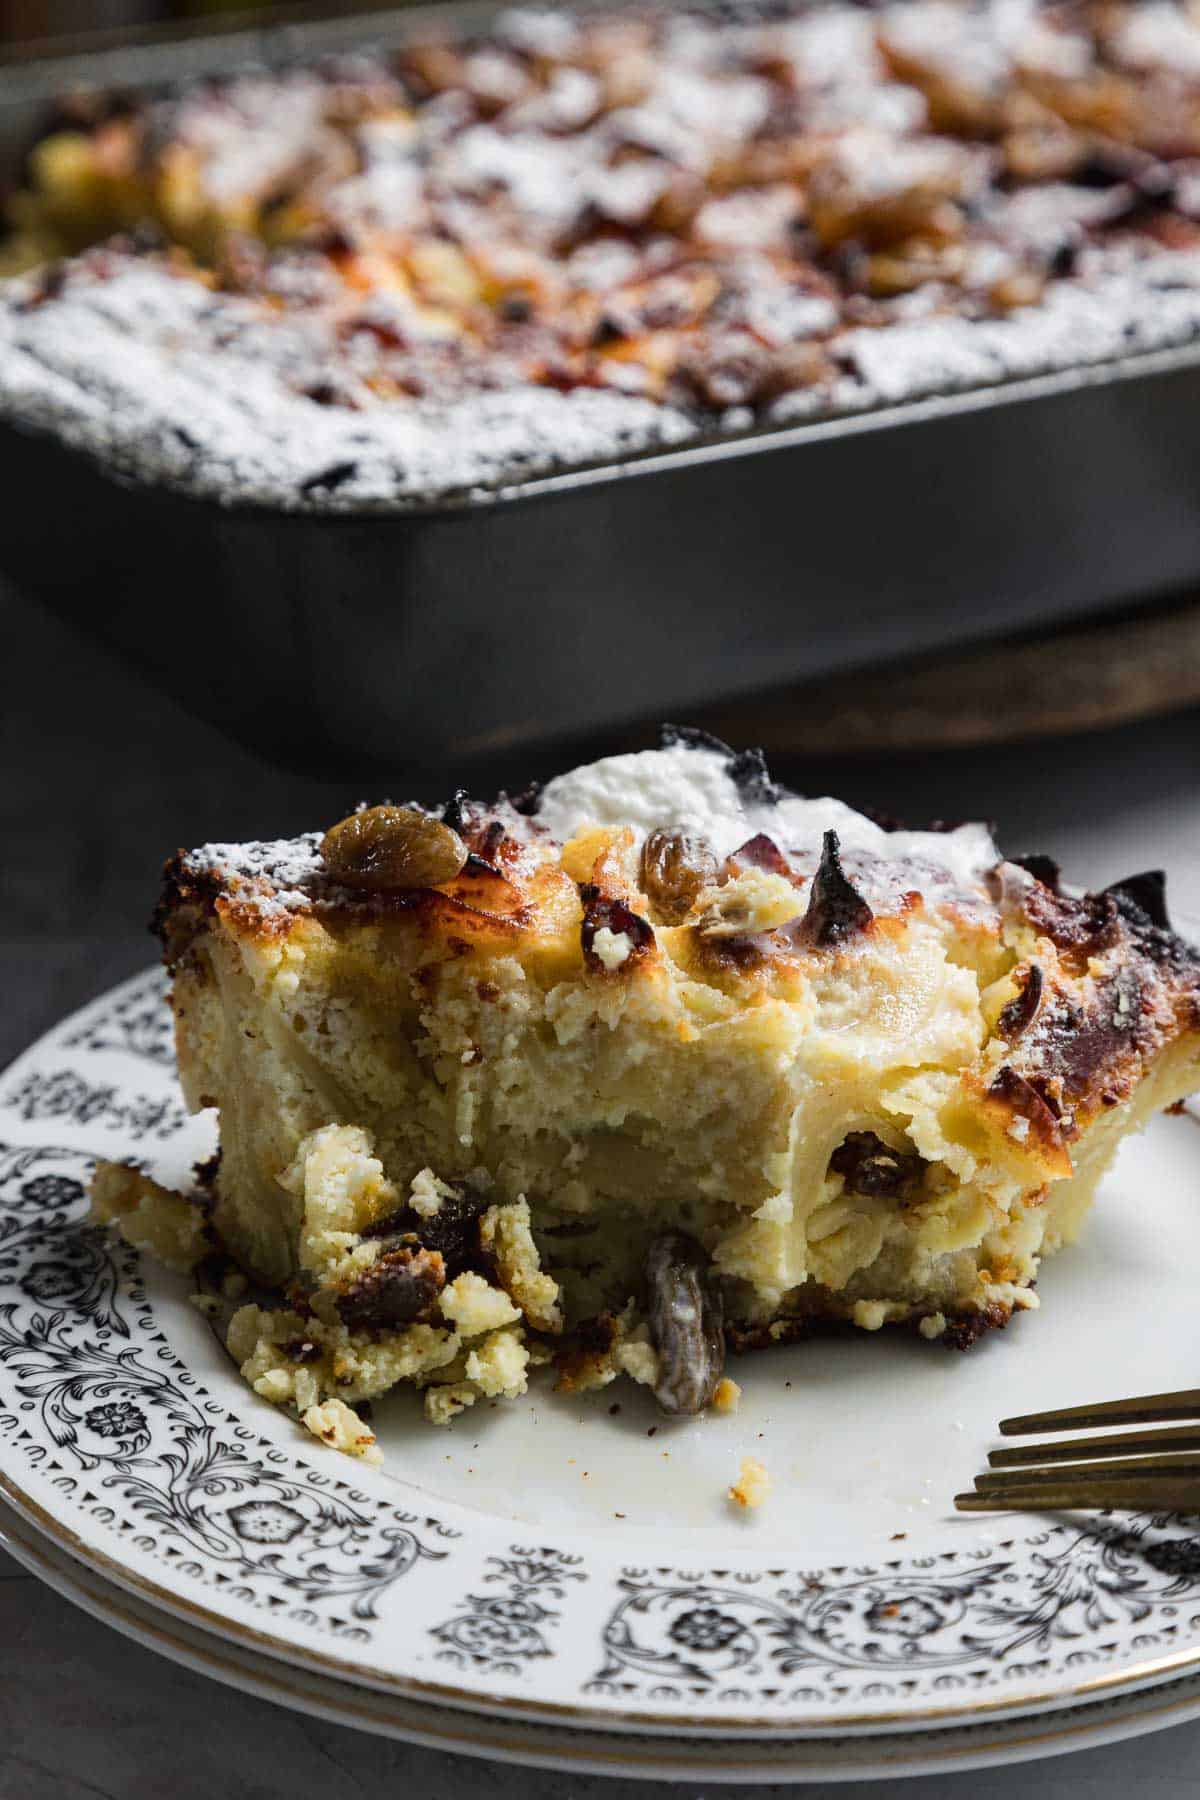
<point x="752" y="1485"/>
<point x="339" y="1426"/>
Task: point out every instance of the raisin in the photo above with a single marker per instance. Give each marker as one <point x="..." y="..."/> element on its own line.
<point x="676" y="867"/>
<point x="1021" y="1011"/>
<point x="527" y="801"/>
<point x="762" y="852"/>
<point x="393" y="847"/>
<point x="1147" y="893"/>
<point x="600" y="910"/>
<point x="836" y="910"/>
<point x="608" y="331"/>
<point x="456" y="812"/>
<point x="394" y="1291"/>
<point x="453" y="1230"/>
<point x="686" y="1323"/>
<point x="327" y="481"/>
<point x="1036" y="1101"/>
<point x="869" y="1166"/>
<point x="1079" y="929"/>
<point x="1042" y="868"/>
<point x="747" y="768"/>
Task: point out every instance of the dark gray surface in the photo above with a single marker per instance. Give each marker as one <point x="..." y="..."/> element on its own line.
<point x="99" y="778"/>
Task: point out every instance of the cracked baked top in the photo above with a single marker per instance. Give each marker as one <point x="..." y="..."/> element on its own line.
<point x="480" y="258"/>
<point x="658" y="1058"/>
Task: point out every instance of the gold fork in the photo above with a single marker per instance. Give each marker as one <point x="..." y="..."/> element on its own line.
<point x="1133" y="1471"/>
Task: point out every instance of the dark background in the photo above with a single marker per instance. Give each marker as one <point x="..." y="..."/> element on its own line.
<point x="30" y="20"/>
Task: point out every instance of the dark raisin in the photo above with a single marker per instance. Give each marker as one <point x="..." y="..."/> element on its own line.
<point x="686" y="1320"/>
<point x="607" y="331"/>
<point x="1021" y="1011"/>
<point x="327" y="481"/>
<point x="205" y="1173"/>
<point x="1106" y="165"/>
<point x="752" y="778"/>
<point x="394" y="1291"/>
<point x="1145" y="198"/>
<point x="454" y="813"/>
<point x="747" y="768"/>
<point x="527" y="801"/>
<point x="453" y="1230"/>
<point x="1042" y="868"/>
<point x="692" y="737"/>
<point x="327" y="393"/>
<point x="869" y="1166"/>
<point x="485" y="842"/>
<point x="1147" y="893"/>
<point x="600" y="910"/>
<point x="1039" y="1104"/>
<point x="836" y="910"/>
<point x="676" y="867"/>
<point x="762" y="852"/>
<point x="1079" y="929"/>
<point x="1064" y="259"/>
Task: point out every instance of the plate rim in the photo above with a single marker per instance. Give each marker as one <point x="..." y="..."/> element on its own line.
<point x="1092" y="1727"/>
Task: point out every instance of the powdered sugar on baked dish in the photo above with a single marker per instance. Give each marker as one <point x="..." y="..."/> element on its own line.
<point x="477" y="262"/>
<point x="164" y="381"/>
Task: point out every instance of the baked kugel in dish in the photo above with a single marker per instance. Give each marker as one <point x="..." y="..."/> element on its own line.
<point x="657" y="1060"/>
<point x="446" y="268"/>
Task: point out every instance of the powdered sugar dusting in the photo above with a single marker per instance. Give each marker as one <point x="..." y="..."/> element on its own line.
<point x="445" y="272"/>
<point x="680" y="787"/>
<point x="273" y="876"/>
<point x="170" y="383"/>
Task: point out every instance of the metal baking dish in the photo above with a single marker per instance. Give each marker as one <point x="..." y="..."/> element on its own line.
<point x="583" y="602"/>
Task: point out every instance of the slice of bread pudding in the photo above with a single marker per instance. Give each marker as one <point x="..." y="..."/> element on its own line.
<point x="656" y="1060"/>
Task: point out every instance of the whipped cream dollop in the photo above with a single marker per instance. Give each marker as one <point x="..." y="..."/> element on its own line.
<point x="688" y="787"/>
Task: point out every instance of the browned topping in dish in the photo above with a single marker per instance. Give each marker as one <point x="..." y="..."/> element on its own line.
<point x="686" y="207"/>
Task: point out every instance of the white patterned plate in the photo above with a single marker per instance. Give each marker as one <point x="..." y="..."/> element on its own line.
<point x="579" y="1749"/>
<point x="555" y="1561"/>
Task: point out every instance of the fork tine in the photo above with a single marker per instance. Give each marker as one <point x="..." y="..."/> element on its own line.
<point x="1137" y="1468"/>
<point x="1143" y="1408"/>
<point x="1132" y="1443"/>
<point x="1180" y="1495"/>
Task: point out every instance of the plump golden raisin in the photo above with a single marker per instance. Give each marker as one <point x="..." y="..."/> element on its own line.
<point x="392" y="847"/>
<point x="676" y="867"/>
